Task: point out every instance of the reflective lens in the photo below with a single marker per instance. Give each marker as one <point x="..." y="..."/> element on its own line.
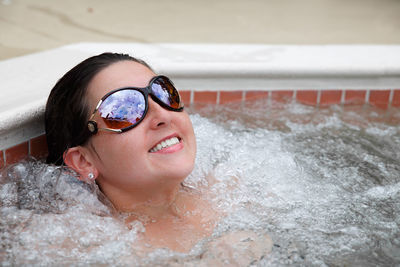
<point x="163" y="89"/>
<point x="122" y="108"/>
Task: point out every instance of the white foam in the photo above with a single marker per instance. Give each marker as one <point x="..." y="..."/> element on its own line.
<point x="326" y="191"/>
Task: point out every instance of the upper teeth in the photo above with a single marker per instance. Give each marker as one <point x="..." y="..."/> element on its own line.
<point x="166" y="143"/>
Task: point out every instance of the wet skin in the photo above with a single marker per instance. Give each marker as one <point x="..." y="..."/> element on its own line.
<point x="144" y="183"/>
<point x="128" y="173"/>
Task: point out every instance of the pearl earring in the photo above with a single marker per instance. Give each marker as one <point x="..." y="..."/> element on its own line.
<point x="91" y="176"/>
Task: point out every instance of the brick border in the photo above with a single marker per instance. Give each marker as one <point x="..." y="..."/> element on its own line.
<point x="37" y="146"/>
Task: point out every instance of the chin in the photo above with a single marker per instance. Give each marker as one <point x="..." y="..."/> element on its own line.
<point x="181" y="171"/>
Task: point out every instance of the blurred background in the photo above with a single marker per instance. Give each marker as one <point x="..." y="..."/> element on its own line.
<point x="28" y="26"/>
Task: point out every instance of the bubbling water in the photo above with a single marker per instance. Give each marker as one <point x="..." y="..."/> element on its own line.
<point x="324" y="184"/>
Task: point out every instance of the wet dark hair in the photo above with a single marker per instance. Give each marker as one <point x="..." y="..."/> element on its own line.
<point x="67" y="111"/>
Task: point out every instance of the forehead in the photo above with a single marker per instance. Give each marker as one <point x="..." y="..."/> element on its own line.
<point x="118" y="75"/>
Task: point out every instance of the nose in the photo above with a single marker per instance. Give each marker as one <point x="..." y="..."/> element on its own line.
<point x="159" y="116"/>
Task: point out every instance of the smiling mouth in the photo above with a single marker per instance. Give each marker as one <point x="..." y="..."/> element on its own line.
<point x="165" y="143"/>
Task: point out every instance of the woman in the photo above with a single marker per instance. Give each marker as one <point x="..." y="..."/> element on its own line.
<point x="115" y="122"/>
<point x="141" y="169"/>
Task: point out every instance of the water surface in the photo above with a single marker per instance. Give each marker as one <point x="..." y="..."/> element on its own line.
<point x="323" y="183"/>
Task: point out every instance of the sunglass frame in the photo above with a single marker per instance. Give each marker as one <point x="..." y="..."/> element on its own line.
<point x="145" y="91"/>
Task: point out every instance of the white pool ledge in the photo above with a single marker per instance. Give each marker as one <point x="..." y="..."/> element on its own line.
<point x="26" y="81"/>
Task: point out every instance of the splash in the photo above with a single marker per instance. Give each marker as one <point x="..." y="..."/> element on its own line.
<point x="323" y="184"/>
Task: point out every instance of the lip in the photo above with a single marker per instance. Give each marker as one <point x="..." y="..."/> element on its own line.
<point x="170" y="149"/>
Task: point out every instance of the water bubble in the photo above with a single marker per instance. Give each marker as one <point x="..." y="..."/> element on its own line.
<point x="323" y="184"/>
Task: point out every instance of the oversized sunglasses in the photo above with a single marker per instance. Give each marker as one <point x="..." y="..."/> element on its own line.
<point x="123" y="109"/>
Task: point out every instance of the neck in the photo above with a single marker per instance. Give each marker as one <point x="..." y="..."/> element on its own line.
<point x="147" y="212"/>
<point x="153" y="205"/>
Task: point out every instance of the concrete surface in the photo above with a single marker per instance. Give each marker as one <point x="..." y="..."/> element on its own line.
<point x="28" y="26"/>
<point x="27" y="80"/>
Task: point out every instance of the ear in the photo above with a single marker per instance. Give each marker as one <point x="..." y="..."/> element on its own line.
<point x="78" y="159"/>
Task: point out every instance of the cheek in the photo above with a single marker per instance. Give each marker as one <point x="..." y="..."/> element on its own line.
<point x="184" y="121"/>
<point x="114" y="150"/>
<point x="188" y="130"/>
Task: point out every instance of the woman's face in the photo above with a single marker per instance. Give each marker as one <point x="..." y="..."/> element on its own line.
<point x="123" y="160"/>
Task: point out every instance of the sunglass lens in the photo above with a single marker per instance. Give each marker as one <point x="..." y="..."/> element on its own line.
<point x="122" y="109"/>
<point x="165" y="91"/>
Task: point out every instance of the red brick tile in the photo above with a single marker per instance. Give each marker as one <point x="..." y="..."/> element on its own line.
<point x="16" y="153"/>
<point x="39" y="147"/>
<point x="396" y="98"/>
<point x="205" y="97"/>
<point x="330" y="97"/>
<point x="2" y="163"/>
<point x="254" y="95"/>
<point x="230" y="96"/>
<point x="185" y="96"/>
<point x="282" y="96"/>
<point x="379" y="98"/>
<point x="308" y="97"/>
<point x="354" y="97"/>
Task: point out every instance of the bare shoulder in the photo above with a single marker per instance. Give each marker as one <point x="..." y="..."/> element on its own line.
<point x="238" y="248"/>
